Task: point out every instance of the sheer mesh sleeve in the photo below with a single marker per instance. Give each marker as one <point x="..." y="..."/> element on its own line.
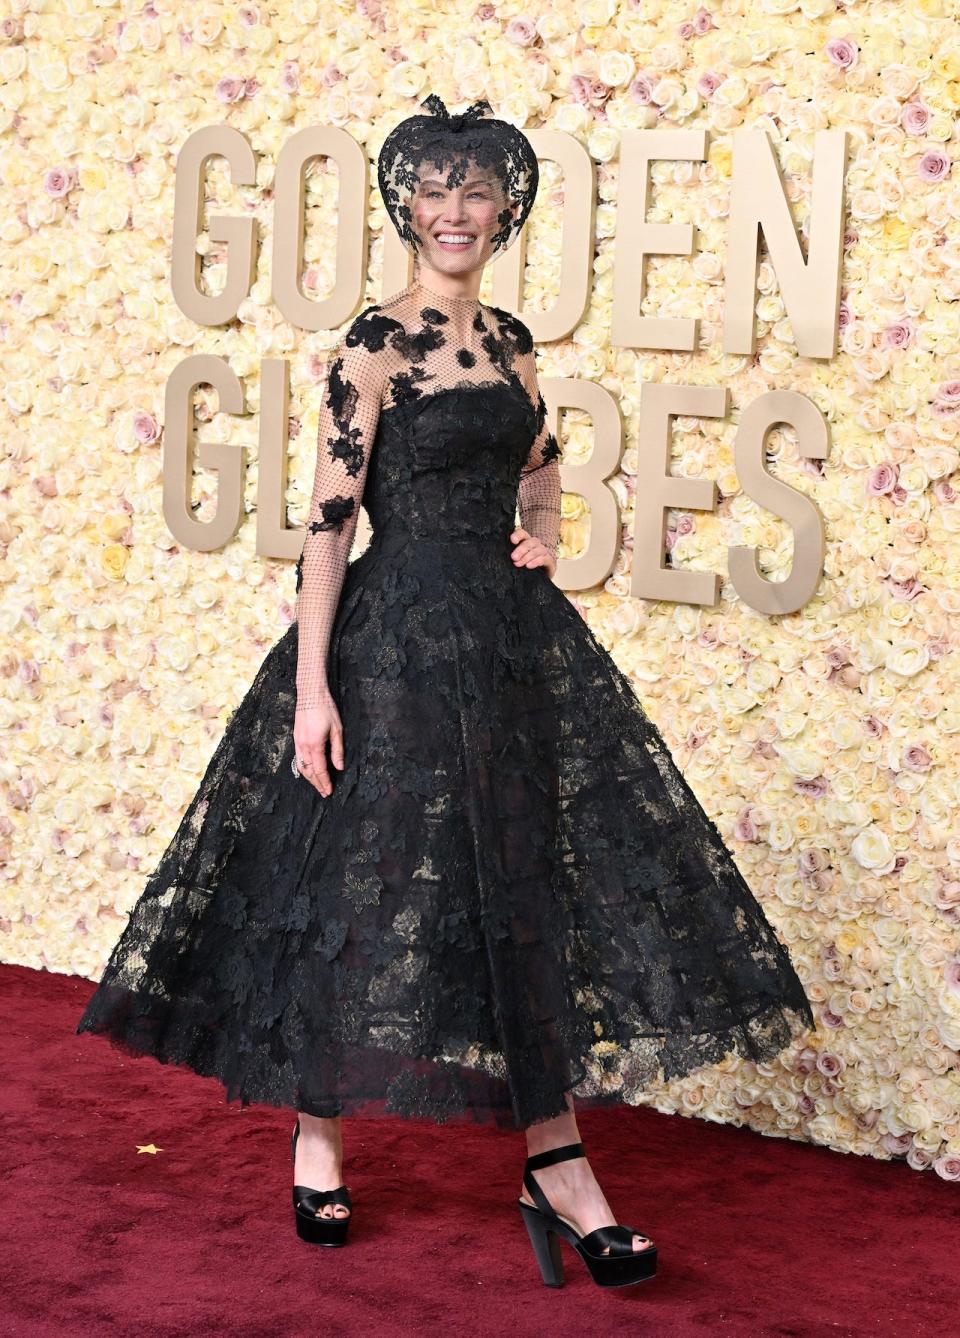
<point x="539" y="492"/>
<point x="349" y="414"/>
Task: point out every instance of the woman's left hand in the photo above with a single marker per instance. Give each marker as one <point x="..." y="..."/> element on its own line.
<point x="531" y="552"/>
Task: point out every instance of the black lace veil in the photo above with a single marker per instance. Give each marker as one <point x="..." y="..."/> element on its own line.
<point x="451" y="144"/>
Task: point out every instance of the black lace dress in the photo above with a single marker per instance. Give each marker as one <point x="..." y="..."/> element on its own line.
<point x="511" y="892"/>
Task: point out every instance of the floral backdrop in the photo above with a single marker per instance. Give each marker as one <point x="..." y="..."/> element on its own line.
<point x="825" y="744"/>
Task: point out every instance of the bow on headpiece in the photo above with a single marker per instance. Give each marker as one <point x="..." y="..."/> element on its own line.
<point x="457" y="122"/>
<point x="450" y="144"/>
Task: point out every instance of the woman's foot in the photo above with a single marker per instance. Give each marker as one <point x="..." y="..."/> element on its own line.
<point x="319" y="1159"/>
<point x="574" y="1193"/>
<point x="571" y="1185"/>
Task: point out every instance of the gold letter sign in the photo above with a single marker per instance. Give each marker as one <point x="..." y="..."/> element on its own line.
<point x="809" y="286"/>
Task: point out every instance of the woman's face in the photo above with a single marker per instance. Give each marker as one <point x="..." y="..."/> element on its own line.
<point x="469" y="211"/>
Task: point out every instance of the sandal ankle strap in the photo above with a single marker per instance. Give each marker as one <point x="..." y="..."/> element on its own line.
<point x="568" y="1152"/>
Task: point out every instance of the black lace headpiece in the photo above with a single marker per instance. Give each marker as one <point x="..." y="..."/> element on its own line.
<point x="451" y="143"/>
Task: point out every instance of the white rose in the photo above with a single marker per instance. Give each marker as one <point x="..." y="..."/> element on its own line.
<point x="615" y="68"/>
<point x="406" y="80"/>
<point x="871" y="849"/>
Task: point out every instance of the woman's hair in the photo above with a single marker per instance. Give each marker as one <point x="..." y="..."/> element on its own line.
<point x="453" y="145"/>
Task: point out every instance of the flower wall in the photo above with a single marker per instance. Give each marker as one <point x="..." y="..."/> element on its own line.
<point x="825" y="744"/>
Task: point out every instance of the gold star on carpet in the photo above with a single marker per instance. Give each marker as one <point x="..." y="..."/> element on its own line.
<point x="148" y="1147"/>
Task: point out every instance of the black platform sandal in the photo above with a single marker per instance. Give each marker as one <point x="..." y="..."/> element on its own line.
<point x="622" y="1267"/>
<point x="310" y="1227"/>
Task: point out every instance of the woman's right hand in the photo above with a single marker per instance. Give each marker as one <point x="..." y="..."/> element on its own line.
<point x="312" y="728"/>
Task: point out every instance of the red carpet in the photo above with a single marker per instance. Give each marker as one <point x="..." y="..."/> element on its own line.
<point x="758" y="1236"/>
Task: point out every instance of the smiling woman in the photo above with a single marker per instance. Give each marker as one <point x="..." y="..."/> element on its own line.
<point x="458" y="221"/>
<point x="482" y="169"/>
<point x="505" y="894"/>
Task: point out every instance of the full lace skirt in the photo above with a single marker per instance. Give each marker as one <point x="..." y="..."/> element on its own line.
<point x="511" y="893"/>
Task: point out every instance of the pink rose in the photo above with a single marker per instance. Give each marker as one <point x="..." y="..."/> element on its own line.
<point x="145" y="427"/>
<point x="898" y="335"/>
<point x="811" y="860"/>
<point x="915" y="118"/>
<point x="882" y="479"/>
<point x="745" y="829"/>
<point x="580" y="89"/>
<point x="641" y="88"/>
<point x="588" y="92"/>
<point x="521" y="31"/>
<point x="948" y="1166"/>
<point x="289" y="77"/>
<point x="708" y="83"/>
<point x="816" y="788"/>
<point x="100" y="55"/>
<point x="830" y="1065"/>
<point x="951" y="976"/>
<point x="947" y="895"/>
<point x="843" y="52"/>
<point x="944" y="411"/>
<point x="944" y="492"/>
<point x="703" y="21"/>
<point x="248" y="15"/>
<point x="230" y="89"/>
<point x="844" y="314"/>
<point x="316" y="366"/>
<point x="905" y="591"/>
<point x="948" y="392"/>
<point x="330" y="75"/>
<point x="933" y="166"/>
<point x="686" y="30"/>
<point x="897" y="1143"/>
<point x="58" y="181"/>
<point x="916" y="758"/>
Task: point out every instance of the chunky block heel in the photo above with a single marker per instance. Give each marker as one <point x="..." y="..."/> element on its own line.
<point x="545" y="1245"/>
<point x="311" y="1228"/>
<point x="621" y="1267"/>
